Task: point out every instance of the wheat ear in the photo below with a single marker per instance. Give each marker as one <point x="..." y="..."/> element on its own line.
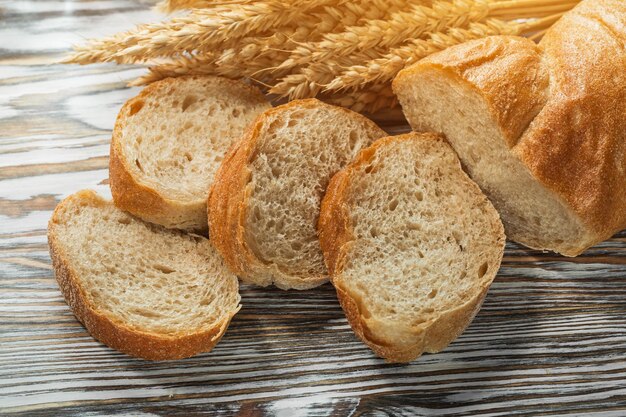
<point x="256" y="57"/>
<point x="264" y="58"/>
<point x="179" y="67"/>
<point x="350" y="14"/>
<point x="327" y="59"/>
<point x="400" y="26"/>
<point x="384" y="69"/>
<point x="201" y="31"/>
<point x="369" y="100"/>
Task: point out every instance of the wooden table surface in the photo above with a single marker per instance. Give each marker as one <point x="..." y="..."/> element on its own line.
<point x="550" y="339"/>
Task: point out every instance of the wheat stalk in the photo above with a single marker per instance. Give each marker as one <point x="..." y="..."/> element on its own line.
<point x="168" y="6"/>
<point x="528" y="9"/>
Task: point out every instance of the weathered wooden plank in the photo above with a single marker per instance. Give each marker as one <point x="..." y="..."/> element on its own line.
<point x="550" y="339"/>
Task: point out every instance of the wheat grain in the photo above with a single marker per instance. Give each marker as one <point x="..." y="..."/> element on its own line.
<point x="102" y="50"/>
<point x="350" y="14"/>
<point x="312" y="78"/>
<point x="255" y="57"/>
<point x="201" y="31"/>
<point x="179" y="67"/>
<point x="261" y="58"/>
<point x="326" y="59"/>
<point x="229" y="63"/>
<point x="205" y="65"/>
<point x="385" y="69"/>
<point x="400" y="26"/>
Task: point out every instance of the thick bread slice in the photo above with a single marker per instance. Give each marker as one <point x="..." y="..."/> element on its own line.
<point x="264" y="203"/>
<point x="541" y="129"/>
<point x="169" y="141"/>
<point x="147" y="291"/>
<point x="411" y="243"/>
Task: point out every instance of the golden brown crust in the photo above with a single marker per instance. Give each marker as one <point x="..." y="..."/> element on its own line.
<point x="429" y="337"/>
<point x="145" y="202"/>
<point x="584" y="121"/>
<point x="508" y="70"/>
<point x="141" y="199"/>
<point x="226" y="204"/>
<point x="105" y="328"/>
<point x="228" y="201"/>
<point x="561" y="107"/>
<point x="336" y="235"/>
<point x="333" y="224"/>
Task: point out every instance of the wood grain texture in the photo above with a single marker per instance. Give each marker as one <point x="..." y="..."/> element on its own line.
<point x="550" y="339"/>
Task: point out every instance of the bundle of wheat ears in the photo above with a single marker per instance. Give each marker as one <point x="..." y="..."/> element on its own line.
<point x="346" y="52"/>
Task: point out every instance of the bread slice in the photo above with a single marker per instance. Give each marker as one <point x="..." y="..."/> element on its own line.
<point x="411" y="243"/>
<point x="147" y="291"/>
<point x="540" y="128"/>
<point x="169" y="141"/>
<point x="265" y="200"/>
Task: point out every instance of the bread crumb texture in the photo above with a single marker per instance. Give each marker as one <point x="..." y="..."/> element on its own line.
<point x="419" y="242"/>
<point x="175" y="133"/>
<point x="146" y="280"/>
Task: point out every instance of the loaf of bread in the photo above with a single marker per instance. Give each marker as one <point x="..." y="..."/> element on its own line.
<point x="169" y="141"/>
<point x="147" y="291"/>
<point x="411" y="243"/>
<point x="265" y="200"/>
<point x="541" y="128"/>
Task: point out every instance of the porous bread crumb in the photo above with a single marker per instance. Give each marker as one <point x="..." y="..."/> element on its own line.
<point x="149" y="278"/>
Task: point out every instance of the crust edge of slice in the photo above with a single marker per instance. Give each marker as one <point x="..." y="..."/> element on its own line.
<point x="112" y="332"/>
<point x="335" y="236"/>
<point x="227" y="203"/>
<point x="145" y="201"/>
